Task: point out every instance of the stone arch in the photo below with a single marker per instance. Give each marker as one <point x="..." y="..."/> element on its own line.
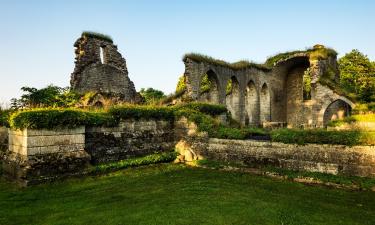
<point x="251" y="104"/>
<point x="294" y="86"/>
<point x="336" y="109"/>
<point x="265" y="104"/>
<point x="232" y="99"/>
<point x="210" y="94"/>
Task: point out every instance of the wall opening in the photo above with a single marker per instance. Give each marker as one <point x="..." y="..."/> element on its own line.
<point x="298" y="90"/>
<point x="265" y="104"/>
<point x="233" y="98"/>
<point x="338" y="109"/>
<point x="209" y="88"/>
<point x="252" y="104"/>
<point x="101" y="54"/>
<point x="306" y="85"/>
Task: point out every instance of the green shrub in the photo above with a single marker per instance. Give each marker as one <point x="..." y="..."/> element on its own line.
<point x="321" y="136"/>
<point x="206" y="108"/>
<point x="45" y="118"/>
<point x="146" y="160"/>
<point x="141" y="112"/>
<point x="364" y="108"/>
<point x="4" y="117"/>
<point x="352" y="119"/>
<point x="238" y="133"/>
<point x="102" y="118"/>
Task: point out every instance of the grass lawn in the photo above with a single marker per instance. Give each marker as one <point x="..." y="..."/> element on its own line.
<point x="176" y="194"/>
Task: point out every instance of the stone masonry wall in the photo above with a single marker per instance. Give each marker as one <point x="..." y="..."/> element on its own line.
<point x="36" y="156"/>
<point x="284" y="90"/>
<point x="130" y="139"/>
<point x="333" y="159"/>
<point x="109" y="77"/>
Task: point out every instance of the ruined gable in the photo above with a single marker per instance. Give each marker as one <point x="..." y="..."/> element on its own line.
<point x="100" y="68"/>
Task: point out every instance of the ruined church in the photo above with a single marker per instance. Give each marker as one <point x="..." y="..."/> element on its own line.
<point x="295" y="89"/>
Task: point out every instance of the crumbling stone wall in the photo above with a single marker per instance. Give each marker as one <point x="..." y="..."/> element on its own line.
<point x="131" y="138"/>
<point x="99" y="67"/>
<point x="269" y="95"/>
<point x="333" y="159"/>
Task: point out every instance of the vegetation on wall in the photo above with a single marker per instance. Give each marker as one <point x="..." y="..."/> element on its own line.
<point x="315" y="53"/>
<point x="97" y="35"/>
<point x="240" y="65"/>
<point x="322" y="136"/>
<point x="205" y="85"/>
<point x="181" y="84"/>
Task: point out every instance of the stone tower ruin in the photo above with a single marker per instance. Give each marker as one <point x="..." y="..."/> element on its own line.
<point x="100" y="68"/>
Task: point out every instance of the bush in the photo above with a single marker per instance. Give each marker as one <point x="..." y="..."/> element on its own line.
<point x="47" y="118"/>
<point x="206" y="108"/>
<point x="238" y="133"/>
<point x="146" y="160"/>
<point x="4" y="117"/>
<point x="141" y="112"/>
<point x="321" y="136"/>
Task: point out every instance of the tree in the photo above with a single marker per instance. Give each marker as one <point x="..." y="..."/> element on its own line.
<point x="50" y="96"/>
<point x="181" y="84"/>
<point x="151" y="95"/>
<point x="358" y="75"/>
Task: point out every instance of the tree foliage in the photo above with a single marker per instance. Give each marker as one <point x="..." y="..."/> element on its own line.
<point x="358" y="75"/>
<point x="181" y="84"/>
<point x="151" y="95"/>
<point x="50" y="96"/>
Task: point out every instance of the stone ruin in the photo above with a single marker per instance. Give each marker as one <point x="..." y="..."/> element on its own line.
<point x="271" y="95"/>
<point x="100" y="68"/>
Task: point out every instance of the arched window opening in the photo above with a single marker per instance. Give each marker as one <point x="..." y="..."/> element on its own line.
<point x="233" y="98"/>
<point x="252" y="105"/>
<point x="265" y="104"/>
<point x="209" y="88"/>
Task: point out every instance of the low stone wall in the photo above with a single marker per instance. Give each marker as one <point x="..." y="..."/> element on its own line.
<point x="35" y="156"/>
<point x="131" y="138"/>
<point x="332" y="159"/>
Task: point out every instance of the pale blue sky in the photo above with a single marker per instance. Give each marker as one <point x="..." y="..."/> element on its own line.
<point x="37" y="36"/>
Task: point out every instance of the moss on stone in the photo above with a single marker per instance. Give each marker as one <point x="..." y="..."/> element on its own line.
<point x="103" y="37"/>
<point x="316" y="53"/>
<point x="240" y="65"/>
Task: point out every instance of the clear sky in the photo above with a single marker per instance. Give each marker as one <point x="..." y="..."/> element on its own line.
<point x="37" y="36"/>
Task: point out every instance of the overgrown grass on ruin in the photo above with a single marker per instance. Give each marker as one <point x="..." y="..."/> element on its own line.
<point x="315" y="53"/>
<point x="240" y="65"/>
<point x="97" y="35"/>
<point x="177" y="194"/>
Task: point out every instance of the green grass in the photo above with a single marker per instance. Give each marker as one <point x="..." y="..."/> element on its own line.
<point x="140" y="161"/>
<point x="361" y="182"/>
<point x="97" y="35"/>
<point x="315" y="53"/>
<point x="240" y="65"/>
<point x="176" y="194"/>
<point x="321" y="136"/>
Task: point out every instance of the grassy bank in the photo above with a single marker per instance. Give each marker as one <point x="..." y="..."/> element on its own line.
<point x="176" y="194"/>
